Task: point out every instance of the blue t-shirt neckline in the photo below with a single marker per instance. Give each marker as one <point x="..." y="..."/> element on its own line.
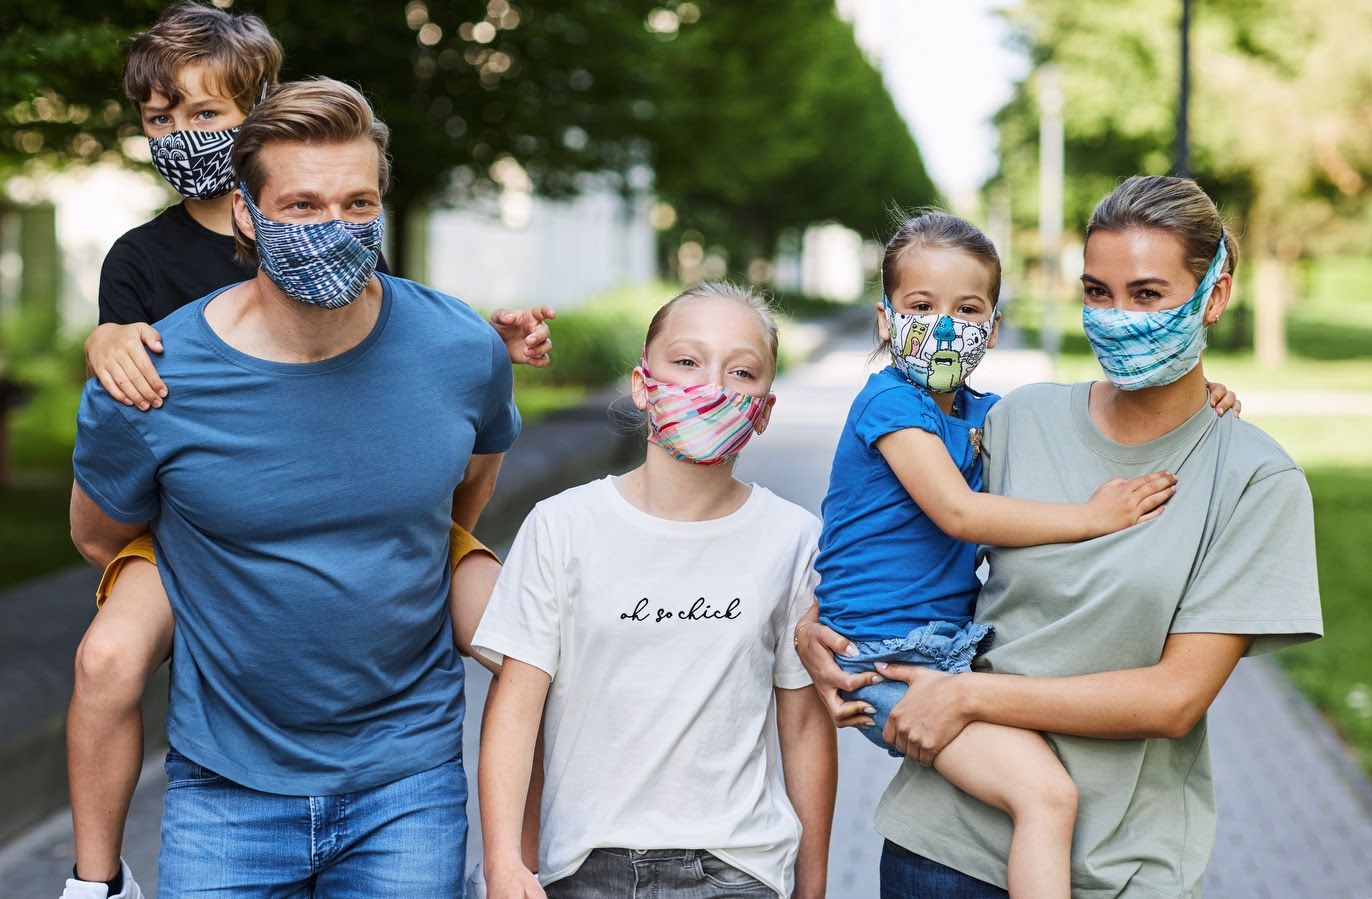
<point x="297" y="369"/>
<point x="962" y="394"/>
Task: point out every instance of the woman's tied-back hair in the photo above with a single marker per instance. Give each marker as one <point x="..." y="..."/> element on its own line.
<point x="1176" y="206"/>
<point x="317" y="111"/>
<point x="720" y="290"/>
<point x="933" y="228"/>
<point x="241" y="56"/>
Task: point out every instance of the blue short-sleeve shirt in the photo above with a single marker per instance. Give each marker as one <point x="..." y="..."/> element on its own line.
<point x="302" y="513"/>
<point x="885" y="567"/>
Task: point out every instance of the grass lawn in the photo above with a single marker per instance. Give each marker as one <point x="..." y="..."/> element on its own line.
<point x="1336" y="672"/>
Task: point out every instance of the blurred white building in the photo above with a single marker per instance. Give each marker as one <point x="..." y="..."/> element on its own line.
<point x="517" y="249"/>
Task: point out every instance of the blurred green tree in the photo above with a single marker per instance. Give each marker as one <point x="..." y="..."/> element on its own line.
<point x="754" y="121"/>
<point x="1281" y="125"/>
<point x="770" y="119"/>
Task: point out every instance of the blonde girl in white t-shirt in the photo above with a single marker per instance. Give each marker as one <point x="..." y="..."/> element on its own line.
<point x="647" y="620"/>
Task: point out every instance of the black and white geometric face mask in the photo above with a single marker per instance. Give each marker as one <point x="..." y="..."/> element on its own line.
<point x="199" y="164"/>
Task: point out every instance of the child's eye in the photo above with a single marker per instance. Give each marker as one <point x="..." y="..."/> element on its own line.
<point x="159" y="120"/>
<point x="206" y="114"/>
<point x="969" y="310"/>
<point x="921" y="307"/>
<point x="689" y="363"/>
<point x="743" y="373"/>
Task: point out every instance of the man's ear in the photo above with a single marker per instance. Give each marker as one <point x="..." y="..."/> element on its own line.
<point x="242" y="219"/>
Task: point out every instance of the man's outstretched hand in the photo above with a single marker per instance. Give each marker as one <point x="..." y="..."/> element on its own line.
<point x="526" y="334"/>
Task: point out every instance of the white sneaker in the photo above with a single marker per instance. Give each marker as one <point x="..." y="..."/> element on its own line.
<point x="84" y="889"/>
<point x="476" y="883"/>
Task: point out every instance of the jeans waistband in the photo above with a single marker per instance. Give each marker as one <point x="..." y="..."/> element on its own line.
<point x="684" y="855"/>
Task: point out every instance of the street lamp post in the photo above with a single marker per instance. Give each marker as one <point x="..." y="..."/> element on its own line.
<point x="1182" y="166"/>
<point x="1050" y="201"/>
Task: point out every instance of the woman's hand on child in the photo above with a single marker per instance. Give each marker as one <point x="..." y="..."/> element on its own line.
<point x="512" y="881"/>
<point x="1222" y="399"/>
<point x="929" y="715"/>
<point x="1119" y="503"/>
<point x="526" y="334"/>
<point x="816" y="645"/>
<point x="115" y="354"/>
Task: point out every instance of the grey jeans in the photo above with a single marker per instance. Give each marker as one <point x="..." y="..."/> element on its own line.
<point x="656" y="874"/>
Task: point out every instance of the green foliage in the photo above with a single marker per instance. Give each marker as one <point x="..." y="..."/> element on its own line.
<point x="773" y="121"/>
<point x="1280" y="134"/>
<point x="1336" y="672"/>
<point x="751" y="121"/>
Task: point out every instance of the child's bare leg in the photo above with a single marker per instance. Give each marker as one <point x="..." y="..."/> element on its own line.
<point x="130" y="637"/>
<point x="473" y="580"/>
<point x="1015" y="771"/>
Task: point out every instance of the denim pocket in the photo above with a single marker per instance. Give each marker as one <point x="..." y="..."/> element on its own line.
<point x="182" y="772"/>
<point x="716" y="871"/>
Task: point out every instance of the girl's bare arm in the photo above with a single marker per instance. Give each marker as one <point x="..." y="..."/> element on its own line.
<point x="809" y="755"/>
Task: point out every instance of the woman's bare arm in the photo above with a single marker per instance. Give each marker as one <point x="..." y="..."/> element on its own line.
<point x="1165" y="700"/>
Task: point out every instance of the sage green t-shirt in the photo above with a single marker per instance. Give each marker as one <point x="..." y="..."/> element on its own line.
<point x="1233" y="553"/>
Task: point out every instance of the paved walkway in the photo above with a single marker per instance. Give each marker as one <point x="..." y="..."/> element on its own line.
<point x="1295" y="812"/>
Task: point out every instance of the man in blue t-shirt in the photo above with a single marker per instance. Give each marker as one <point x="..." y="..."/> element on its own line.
<point x="326" y="423"/>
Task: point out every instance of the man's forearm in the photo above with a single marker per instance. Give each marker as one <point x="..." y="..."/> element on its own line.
<point x="476" y="489"/>
<point x="97" y="537"/>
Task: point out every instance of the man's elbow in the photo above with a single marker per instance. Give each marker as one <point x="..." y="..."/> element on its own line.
<point x="94" y="550"/>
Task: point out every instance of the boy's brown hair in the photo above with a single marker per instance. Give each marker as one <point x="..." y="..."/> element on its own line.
<point x="239" y="51"/>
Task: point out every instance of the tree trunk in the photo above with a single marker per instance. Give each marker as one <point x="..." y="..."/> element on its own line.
<point x="1269" y="290"/>
<point x="1269" y="304"/>
<point x="400" y="228"/>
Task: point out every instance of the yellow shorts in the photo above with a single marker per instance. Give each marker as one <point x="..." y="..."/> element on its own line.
<point x="461" y="543"/>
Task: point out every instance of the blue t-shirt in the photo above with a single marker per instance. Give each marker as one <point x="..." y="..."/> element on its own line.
<point x="302" y="514"/>
<point x="885" y="567"/>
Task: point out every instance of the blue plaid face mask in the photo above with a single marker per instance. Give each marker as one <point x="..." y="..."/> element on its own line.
<point x="1150" y="349"/>
<point x="325" y="264"/>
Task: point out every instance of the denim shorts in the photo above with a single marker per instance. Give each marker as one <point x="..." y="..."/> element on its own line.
<point x="657" y="873"/>
<point x="941" y="645"/>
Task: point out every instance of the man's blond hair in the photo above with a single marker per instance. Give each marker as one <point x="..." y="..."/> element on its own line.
<point x="317" y="111"/>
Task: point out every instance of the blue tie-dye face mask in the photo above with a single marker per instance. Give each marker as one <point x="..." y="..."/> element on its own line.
<point x="1150" y="349"/>
<point x="325" y="264"/>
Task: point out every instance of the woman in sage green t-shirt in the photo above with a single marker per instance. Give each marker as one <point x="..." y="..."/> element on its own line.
<point x="1122" y="642"/>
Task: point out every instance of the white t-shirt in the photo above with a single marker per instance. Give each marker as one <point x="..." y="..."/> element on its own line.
<point x="664" y="640"/>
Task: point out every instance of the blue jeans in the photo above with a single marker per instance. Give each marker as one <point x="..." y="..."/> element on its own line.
<point x="657" y="874"/>
<point x="405" y="838"/>
<point x="941" y="645"/>
<point x="905" y="875"/>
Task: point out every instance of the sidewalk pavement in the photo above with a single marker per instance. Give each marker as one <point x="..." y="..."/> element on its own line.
<point x="1295" y="810"/>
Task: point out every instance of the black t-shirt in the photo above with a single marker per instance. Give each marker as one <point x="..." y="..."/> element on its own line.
<point x="162" y="265"/>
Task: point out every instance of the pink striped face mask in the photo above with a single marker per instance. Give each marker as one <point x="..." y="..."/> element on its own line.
<point x="703" y="423"/>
